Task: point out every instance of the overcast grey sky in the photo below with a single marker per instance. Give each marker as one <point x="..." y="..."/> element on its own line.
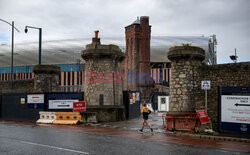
<point x="229" y="20"/>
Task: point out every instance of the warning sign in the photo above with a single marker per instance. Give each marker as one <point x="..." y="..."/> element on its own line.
<point x="22" y="100"/>
<point x="79" y="106"/>
<point x="203" y="116"/>
<point x="35" y="98"/>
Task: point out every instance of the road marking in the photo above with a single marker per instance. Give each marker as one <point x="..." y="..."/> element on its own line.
<point x="222" y="151"/>
<point x="54" y="147"/>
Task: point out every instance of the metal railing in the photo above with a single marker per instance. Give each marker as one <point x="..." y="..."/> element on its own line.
<point x="73" y="88"/>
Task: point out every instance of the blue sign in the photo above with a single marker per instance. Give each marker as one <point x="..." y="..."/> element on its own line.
<point x="36" y="106"/>
<point x="63" y="96"/>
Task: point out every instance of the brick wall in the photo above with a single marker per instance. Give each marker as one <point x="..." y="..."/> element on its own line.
<point x="137" y="56"/>
<point x="46" y="79"/>
<point x="130" y="64"/>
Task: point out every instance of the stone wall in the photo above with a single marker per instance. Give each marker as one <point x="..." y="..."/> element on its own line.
<point x="103" y="74"/>
<point x="234" y="74"/>
<point x="19" y="86"/>
<point x="187" y="72"/>
<point x="103" y="81"/>
<point x="46" y="80"/>
<point x="185" y="60"/>
<point x="98" y="80"/>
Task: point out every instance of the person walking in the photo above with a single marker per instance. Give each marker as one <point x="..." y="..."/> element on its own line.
<point x="145" y="111"/>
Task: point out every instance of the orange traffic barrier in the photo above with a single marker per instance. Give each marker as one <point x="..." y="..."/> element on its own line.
<point x="67" y="118"/>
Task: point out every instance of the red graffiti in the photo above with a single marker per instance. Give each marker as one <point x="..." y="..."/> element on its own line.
<point x="94" y="77"/>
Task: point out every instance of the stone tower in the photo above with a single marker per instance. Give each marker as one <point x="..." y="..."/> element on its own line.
<point x="137" y="63"/>
<point x="103" y="79"/>
<point x="184" y="63"/>
<point x="46" y="78"/>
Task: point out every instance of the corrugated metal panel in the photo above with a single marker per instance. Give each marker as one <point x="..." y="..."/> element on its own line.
<point x="69" y="51"/>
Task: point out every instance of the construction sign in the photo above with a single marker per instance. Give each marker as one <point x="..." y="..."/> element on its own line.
<point x="203" y="116"/>
<point x="79" y="106"/>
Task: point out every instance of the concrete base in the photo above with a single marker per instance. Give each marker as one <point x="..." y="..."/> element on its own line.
<point x="90" y="117"/>
<point x="104" y="113"/>
<point x="202" y="127"/>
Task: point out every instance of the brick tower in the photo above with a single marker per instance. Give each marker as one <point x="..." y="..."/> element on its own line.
<point x="137" y="63"/>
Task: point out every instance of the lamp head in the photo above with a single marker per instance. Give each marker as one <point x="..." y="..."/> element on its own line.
<point x="25" y="30"/>
<point x="233" y="57"/>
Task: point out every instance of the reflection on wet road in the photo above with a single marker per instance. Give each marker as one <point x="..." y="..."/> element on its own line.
<point x="51" y="139"/>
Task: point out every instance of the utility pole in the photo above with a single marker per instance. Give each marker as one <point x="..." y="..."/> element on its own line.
<point x="40" y="42"/>
<point x="12" y="48"/>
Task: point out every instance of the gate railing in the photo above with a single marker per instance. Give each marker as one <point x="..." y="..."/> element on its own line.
<point x="180" y="121"/>
<point x="72" y="88"/>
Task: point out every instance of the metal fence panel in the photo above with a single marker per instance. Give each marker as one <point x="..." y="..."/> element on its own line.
<point x="14" y="109"/>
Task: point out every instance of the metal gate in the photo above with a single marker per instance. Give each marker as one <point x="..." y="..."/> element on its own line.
<point x="12" y="108"/>
<point x="132" y="102"/>
<point x="16" y="107"/>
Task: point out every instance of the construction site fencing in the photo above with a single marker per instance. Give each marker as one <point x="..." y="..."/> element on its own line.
<point x="180" y="121"/>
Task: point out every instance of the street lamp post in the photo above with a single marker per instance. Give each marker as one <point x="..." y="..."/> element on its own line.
<point x="12" y="48"/>
<point x="234" y="57"/>
<point x="40" y="41"/>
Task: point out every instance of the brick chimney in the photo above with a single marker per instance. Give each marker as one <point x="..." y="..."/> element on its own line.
<point x="136" y="66"/>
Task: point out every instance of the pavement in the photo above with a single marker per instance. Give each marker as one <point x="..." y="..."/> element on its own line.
<point x="156" y="122"/>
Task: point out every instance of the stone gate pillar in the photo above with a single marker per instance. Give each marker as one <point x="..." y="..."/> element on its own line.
<point x="103" y="80"/>
<point x="46" y="78"/>
<point x="184" y="62"/>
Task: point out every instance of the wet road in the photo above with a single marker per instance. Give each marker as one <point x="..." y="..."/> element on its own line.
<point x="51" y="139"/>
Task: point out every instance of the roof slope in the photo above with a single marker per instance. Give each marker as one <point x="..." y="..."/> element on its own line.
<point x="69" y="51"/>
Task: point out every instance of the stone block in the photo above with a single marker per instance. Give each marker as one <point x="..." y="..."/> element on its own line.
<point x="90" y="117"/>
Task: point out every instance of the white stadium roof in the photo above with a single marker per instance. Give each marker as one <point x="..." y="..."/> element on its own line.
<point x="69" y="51"/>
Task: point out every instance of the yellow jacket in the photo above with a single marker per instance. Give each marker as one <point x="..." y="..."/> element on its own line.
<point x="145" y="109"/>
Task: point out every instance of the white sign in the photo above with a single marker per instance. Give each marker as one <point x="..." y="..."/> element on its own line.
<point x="35" y="98"/>
<point x="163" y="103"/>
<point x="235" y="109"/>
<point x="61" y="104"/>
<point x="149" y="106"/>
<point x="205" y="85"/>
